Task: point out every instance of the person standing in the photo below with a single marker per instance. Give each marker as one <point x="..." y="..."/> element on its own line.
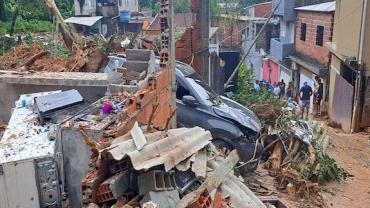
<point x="276" y="90"/>
<point x="282" y="89"/>
<point x="305" y="94"/>
<point x="318" y="95"/>
<point x="289" y="91"/>
<point x="257" y="86"/>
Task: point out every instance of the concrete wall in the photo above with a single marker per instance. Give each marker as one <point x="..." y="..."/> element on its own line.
<point x="308" y="47"/>
<point x="9" y="93"/>
<point x="347" y="27"/>
<point x="366" y="49"/>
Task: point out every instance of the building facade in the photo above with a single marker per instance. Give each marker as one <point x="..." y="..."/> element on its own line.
<point x="313" y="28"/>
<point x="349" y="91"/>
<point x="283" y="46"/>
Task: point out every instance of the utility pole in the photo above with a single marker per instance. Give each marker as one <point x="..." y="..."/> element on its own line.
<point x="203" y="17"/>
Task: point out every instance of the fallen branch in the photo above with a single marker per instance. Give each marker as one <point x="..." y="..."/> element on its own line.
<point x="34" y="58"/>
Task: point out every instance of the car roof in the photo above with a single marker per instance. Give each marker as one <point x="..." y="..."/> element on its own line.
<point x="184" y="68"/>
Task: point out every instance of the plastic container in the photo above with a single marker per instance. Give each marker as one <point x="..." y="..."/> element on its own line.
<point x="124" y="16"/>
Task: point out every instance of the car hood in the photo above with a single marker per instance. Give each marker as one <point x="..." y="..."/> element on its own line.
<point x="232" y="110"/>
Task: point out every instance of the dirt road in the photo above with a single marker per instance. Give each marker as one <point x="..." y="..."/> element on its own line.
<point x="352" y="152"/>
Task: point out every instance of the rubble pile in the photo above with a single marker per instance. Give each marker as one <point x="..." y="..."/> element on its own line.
<point x="2" y="129"/>
<point x="29" y="58"/>
<point x="174" y="168"/>
<point x="295" y="153"/>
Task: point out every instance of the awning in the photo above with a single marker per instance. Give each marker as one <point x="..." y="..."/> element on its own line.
<point x="315" y="68"/>
<point x="87" y="21"/>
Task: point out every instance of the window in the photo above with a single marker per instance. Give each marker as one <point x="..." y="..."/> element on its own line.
<point x="181" y="91"/>
<point x="319" y="35"/>
<point x="303" y="31"/>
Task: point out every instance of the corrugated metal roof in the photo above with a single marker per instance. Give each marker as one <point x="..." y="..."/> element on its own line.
<point x="24" y="138"/>
<point x="87" y="21"/>
<point x="323" y="7"/>
<point x="168" y="148"/>
<point x="244" y="18"/>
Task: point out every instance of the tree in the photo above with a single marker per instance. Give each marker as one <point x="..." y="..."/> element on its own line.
<point x="182" y="6"/>
<point x="2" y="10"/>
<point x="14" y="10"/>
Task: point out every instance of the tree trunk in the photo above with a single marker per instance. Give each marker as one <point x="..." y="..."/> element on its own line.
<point x="14" y="20"/>
<point x="2" y="10"/>
<point x="69" y="37"/>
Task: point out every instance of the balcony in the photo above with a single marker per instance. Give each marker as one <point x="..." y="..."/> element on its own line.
<point x="281" y="49"/>
<point x="285" y="9"/>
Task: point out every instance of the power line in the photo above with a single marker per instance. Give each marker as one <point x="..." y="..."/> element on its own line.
<point x="251" y="46"/>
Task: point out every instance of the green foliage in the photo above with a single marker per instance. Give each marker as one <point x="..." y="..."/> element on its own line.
<point x="247" y="96"/>
<point x="22" y="26"/>
<point x="325" y="169"/>
<point x="182" y="6"/>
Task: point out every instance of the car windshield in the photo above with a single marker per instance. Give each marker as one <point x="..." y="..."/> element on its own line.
<point x="204" y="91"/>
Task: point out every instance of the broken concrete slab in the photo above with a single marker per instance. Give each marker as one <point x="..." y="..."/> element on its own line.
<point x="138" y="136"/>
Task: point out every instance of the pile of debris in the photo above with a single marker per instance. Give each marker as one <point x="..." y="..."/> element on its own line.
<point x="295" y="153"/>
<point x="174" y="168"/>
<point x="28" y="58"/>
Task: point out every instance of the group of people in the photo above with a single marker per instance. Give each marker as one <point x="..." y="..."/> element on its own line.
<point x="281" y="91"/>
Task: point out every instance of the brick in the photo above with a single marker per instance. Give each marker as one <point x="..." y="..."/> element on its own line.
<point x="204" y="201"/>
<point x="151" y="181"/>
<point x="113" y="187"/>
<point x="89" y="186"/>
<point x="156" y="180"/>
<point x="120" y="166"/>
<point x="164" y="199"/>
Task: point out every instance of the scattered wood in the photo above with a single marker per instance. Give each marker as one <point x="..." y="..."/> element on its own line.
<point x="211" y="183"/>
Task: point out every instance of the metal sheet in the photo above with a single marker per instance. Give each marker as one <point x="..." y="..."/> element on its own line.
<point x="323" y="7"/>
<point x="20" y="182"/>
<point x="87" y="21"/>
<point x="342" y="103"/>
<point x="168" y="149"/>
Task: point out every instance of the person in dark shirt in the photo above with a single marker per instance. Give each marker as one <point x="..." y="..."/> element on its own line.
<point x="305" y="94"/>
<point x="289" y="91"/>
<point x="318" y="95"/>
